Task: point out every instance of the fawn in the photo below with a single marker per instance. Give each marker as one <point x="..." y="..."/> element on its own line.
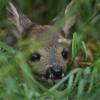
<point x="49" y="63"/>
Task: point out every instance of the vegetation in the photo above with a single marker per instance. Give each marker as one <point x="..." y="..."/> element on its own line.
<point x="81" y="83"/>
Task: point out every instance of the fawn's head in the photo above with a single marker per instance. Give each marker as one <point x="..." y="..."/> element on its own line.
<point x="50" y="60"/>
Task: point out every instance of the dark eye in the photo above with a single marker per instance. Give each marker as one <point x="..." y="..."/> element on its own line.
<point x="65" y="54"/>
<point x="35" y="57"/>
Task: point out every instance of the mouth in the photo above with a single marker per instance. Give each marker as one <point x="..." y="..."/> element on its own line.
<point x="50" y="77"/>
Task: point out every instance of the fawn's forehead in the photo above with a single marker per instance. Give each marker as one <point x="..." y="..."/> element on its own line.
<point x="38" y="29"/>
<point x="51" y="49"/>
<point x="53" y="45"/>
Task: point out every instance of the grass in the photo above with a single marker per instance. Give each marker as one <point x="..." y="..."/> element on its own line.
<point x="16" y="78"/>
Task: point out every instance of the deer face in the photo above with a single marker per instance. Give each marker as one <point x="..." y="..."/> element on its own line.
<point x="50" y="60"/>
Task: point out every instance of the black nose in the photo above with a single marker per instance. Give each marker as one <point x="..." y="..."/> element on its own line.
<point x="55" y="72"/>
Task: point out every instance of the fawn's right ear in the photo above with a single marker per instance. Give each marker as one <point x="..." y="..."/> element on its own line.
<point x="19" y="22"/>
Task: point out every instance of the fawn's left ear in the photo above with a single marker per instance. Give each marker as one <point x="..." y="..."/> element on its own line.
<point x="19" y="22"/>
<point x="67" y="17"/>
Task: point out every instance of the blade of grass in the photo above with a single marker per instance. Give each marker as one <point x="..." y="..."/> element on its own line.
<point x="64" y="79"/>
<point x="74" y="45"/>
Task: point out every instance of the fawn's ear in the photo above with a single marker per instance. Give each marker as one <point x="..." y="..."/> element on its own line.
<point x="70" y="17"/>
<point x="67" y="18"/>
<point x="19" y="22"/>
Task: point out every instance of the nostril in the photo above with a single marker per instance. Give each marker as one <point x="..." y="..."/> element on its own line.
<point x="55" y="72"/>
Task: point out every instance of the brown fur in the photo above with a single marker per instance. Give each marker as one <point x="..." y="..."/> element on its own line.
<point x="51" y="52"/>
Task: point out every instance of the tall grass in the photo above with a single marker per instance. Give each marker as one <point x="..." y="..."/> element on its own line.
<point x="16" y="78"/>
